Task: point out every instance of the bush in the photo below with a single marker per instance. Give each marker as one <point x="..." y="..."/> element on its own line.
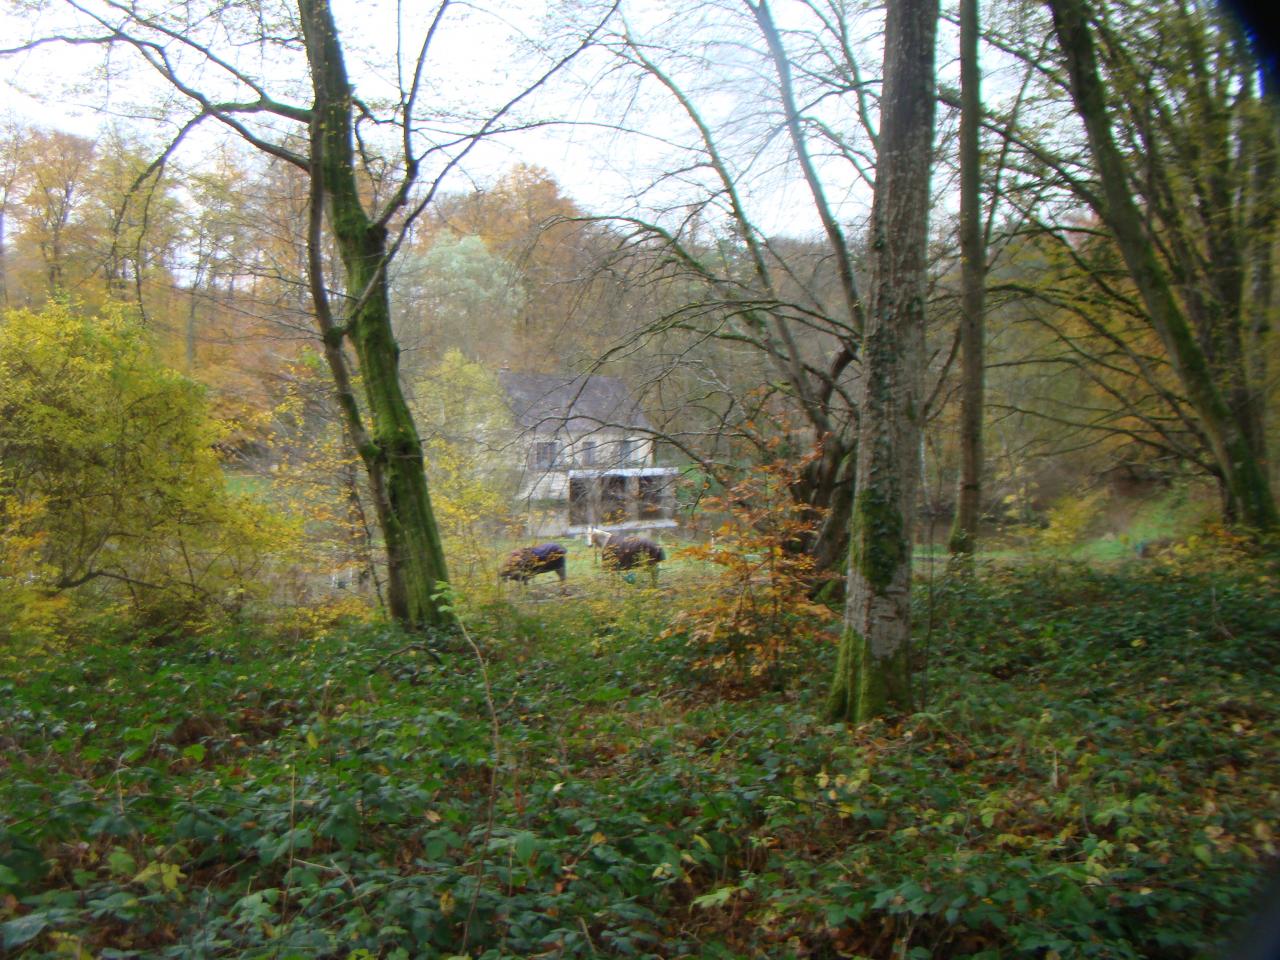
<point x="757" y="611"/>
<point x="110" y="464"/>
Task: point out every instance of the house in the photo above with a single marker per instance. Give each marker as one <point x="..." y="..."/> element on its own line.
<point x="587" y="456"/>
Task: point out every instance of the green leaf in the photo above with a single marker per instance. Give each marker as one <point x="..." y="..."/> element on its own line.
<point x="15" y="933"/>
<point x="526" y="844"/>
<point x="716" y="898"/>
<point x="121" y="863"/>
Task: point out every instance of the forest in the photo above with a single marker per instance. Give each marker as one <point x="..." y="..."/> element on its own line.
<point x="639" y="478"/>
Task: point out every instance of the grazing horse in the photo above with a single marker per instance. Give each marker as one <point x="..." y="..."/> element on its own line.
<point x="623" y="553"/>
<point x="528" y="562"/>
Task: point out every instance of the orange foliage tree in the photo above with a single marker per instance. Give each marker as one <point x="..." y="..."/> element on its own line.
<point x="757" y="611"/>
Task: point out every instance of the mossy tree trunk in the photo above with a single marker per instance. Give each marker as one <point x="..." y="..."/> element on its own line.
<point x="388" y="445"/>
<point x="1263" y="218"/>
<point x="872" y="674"/>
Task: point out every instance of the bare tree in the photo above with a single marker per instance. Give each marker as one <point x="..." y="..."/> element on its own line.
<point x="1153" y="121"/>
<point x="786" y="313"/>
<point x="973" y="263"/>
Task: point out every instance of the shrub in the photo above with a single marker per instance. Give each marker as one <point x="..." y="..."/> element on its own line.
<point x="110" y="463"/>
<point x="758" y="610"/>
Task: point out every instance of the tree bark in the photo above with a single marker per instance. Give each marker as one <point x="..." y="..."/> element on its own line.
<point x="1262" y="228"/>
<point x="872" y="674"/>
<point x="1241" y="466"/>
<point x="390" y="449"/>
<point x="964" y="531"/>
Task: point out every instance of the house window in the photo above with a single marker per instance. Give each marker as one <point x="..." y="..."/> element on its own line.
<point x="588" y="453"/>
<point x="546" y="454"/>
<point x="632" y="450"/>
<point x="613" y="498"/>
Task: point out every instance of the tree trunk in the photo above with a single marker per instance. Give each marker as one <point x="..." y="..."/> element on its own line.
<point x="390" y="449"/>
<point x="1242" y="467"/>
<point x="1262" y="225"/>
<point x="830" y="545"/>
<point x="872" y="674"/>
<point x="964" y="531"/>
<point x="4" y="261"/>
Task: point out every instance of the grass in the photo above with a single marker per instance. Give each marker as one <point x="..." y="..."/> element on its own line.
<point x="1090" y="774"/>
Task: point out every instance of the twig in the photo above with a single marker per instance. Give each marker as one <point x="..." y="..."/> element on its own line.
<point x="493" y="783"/>
<point x="415" y="645"/>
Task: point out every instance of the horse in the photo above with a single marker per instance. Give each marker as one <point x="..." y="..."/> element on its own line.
<point x="527" y="562"/>
<point x="624" y="553"/>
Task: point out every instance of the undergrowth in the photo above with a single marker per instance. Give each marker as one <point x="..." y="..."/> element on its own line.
<point x="1091" y="774"/>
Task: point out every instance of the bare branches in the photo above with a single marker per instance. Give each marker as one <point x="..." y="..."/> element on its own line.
<point x="835" y="235"/>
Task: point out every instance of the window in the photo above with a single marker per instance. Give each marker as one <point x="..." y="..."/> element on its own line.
<point x="588" y="453"/>
<point x="546" y="454"/>
<point x="583" y="496"/>
<point x="613" y="499"/>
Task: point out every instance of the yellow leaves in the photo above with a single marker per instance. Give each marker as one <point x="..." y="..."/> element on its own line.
<point x="120" y="448"/>
<point x="30" y="615"/>
<point x="160" y="876"/>
<point x="1069" y="518"/>
<point x="1014" y="841"/>
<point x="1262" y="832"/>
<point x="69" y="945"/>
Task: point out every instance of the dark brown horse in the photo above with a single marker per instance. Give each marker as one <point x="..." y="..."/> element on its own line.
<point x="528" y="562"/>
<point x="626" y="553"/>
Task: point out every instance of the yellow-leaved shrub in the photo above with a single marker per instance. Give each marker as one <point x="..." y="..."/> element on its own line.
<point x="112" y="488"/>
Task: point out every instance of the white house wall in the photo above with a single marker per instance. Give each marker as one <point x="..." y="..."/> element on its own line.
<point x="552" y="483"/>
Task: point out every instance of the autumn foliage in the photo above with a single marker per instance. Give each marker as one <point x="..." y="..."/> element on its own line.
<point x="756" y="612"/>
<point x="112" y="485"/>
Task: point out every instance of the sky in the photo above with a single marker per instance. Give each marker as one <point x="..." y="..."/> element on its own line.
<point x="478" y="56"/>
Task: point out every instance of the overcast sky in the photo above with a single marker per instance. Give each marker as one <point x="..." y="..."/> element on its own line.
<point x="478" y="57"/>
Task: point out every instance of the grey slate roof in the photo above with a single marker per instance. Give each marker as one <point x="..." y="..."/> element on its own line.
<point x="548" y="404"/>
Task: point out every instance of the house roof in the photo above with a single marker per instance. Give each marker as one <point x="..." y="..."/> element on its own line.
<point x="576" y="405"/>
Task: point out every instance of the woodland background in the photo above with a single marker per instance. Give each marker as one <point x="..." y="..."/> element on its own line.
<point x="219" y="734"/>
